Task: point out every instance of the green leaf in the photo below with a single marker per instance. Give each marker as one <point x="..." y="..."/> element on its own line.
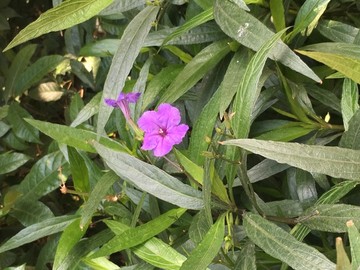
<point x="197" y="173"/>
<point x="248" y="91"/>
<point x="79" y="171"/>
<point x="337" y="31"/>
<point x="354" y="238"/>
<point x="47" y="92"/>
<point x="90" y="109"/>
<point x="349" y="101"/>
<point x="250" y="32"/>
<point x="351" y="137"/>
<point x="43" y="176"/>
<point x="278" y="14"/>
<point x="285" y="133"/>
<point x="342" y="57"/>
<point x="334" y="161"/>
<point x="159" y="254"/>
<point x="70" y="236"/>
<point x="281" y="245"/>
<point x="22" y="129"/>
<point x="151" y="179"/>
<point x="135" y="236"/>
<point x="118" y="6"/>
<point x="330" y="217"/>
<point x="204" y="126"/>
<point x="342" y="260"/>
<point x="159" y="83"/>
<point x="34" y="73"/>
<point x="337" y="192"/>
<point x="131" y="42"/>
<point x="18" y="65"/>
<point x="30" y="212"/>
<point x="203" y="62"/>
<point x="208" y="248"/>
<point x="308" y="17"/>
<point x="199" y="227"/>
<point x="10" y="161"/>
<point x="4" y="128"/>
<point x="65" y="15"/>
<point x="36" y="231"/>
<point x="199" y="19"/>
<point x="78" y="138"/>
<point x="324" y="96"/>
<point x="246" y="259"/>
<point x="96" y="195"/>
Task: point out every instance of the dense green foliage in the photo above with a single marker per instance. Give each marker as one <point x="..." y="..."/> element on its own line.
<point x="266" y="177"/>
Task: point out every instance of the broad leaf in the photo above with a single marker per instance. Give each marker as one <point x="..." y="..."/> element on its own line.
<point x="10" y="161"/>
<point x="43" y="176"/>
<point x="63" y="16"/>
<point x="36" y="231"/>
<point x="131" y="42"/>
<point x="34" y="73"/>
<point x="334" y="161"/>
<point x="250" y="32"/>
<point x="208" y="248"/>
<point x="18" y="65"/>
<point x="280" y="244"/>
<point x="30" y="212"/>
<point x="151" y="179"/>
<point x="118" y="6"/>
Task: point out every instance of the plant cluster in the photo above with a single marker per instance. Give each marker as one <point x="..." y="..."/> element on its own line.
<point x="179" y="134"/>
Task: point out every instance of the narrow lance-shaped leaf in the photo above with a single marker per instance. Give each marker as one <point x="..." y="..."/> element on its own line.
<point x="342" y="57"/>
<point x="36" y="231"/>
<point x="195" y="70"/>
<point x="135" y="236"/>
<point x="208" y="248"/>
<point x="199" y="19"/>
<point x="330" y="217"/>
<point x="308" y="17"/>
<point x="151" y="179"/>
<point x="351" y="137"/>
<point x="334" y="161"/>
<point x="248" y="92"/>
<point x="131" y="42"/>
<point x="342" y="260"/>
<point x="78" y="138"/>
<point x="354" y="238"/>
<point x="349" y="101"/>
<point x="280" y="244"/>
<point x="65" y="15"/>
<point x="250" y="32"/>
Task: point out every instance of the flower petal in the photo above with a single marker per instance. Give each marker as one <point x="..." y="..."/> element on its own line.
<point x="148" y="122"/>
<point x="111" y="102"/>
<point x="177" y="133"/>
<point x="168" y="115"/>
<point x="132" y="97"/>
<point x="151" y="141"/>
<point x="164" y="146"/>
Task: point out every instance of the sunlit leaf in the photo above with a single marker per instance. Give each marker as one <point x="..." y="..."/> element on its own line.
<point x="63" y="16"/>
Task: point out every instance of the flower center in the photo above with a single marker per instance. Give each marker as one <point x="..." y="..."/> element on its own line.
<point x="162" y="132"/>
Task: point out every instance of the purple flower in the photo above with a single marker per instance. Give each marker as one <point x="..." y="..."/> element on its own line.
<point x="122" y="102"/>
<point x="162" y="129"/>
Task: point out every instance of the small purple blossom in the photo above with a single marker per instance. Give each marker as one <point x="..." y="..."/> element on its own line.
<point x="122" y="102"/>
<point x="162" y="129"/>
